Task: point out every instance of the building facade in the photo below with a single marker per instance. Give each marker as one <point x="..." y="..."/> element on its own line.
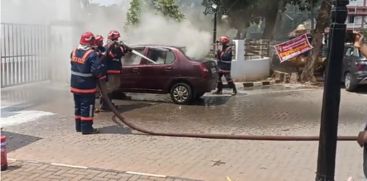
<point x="357" y="12"/>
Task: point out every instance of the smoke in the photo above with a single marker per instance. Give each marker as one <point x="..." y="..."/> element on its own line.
<point x="68" y="19"/>
<point x="156" y="29"/>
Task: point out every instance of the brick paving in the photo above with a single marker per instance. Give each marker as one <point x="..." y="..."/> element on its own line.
<point x="264" y="112"/>
<point x="32" y="170"/>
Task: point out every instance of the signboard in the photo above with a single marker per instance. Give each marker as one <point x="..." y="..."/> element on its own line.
<point x="292" y="48"/>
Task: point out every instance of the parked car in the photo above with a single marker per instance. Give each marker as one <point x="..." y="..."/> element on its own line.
<point x="354" y="68"/>
<point x="184" y="78"/>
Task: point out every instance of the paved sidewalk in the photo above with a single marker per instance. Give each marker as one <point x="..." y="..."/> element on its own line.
<point x="30" y="170"/>
<point x="269" y="111"/>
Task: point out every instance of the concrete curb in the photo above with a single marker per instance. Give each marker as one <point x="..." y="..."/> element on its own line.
<point x="258" y="83"/>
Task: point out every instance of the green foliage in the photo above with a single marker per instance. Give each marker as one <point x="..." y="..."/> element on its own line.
<point x="134" y="12"/>
<point x="169" y="9"/>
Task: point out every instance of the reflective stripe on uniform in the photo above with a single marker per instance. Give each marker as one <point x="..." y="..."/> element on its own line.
<point x="91" y="110"/>
<point x="103" y="77"/>
<point x="82" y="60"/>
<point x="113" y="71"/>
<point x="83" y="91"/>
<point x="81" y="74"/>
<point x="222" y="61"/>
<point x="86" y="118"/>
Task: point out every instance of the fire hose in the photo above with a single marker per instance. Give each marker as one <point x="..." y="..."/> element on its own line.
<point x="131" y="125"/>
<point x="118" y="115"/>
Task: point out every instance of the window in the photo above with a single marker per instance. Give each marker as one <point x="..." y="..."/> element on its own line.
<point x="355" y="52"/>
<point x="351" y="19"/>
<point x="160" y="56"/>
<point x="132" y="59"/>
<point x="349" y="52"/>
<point x="170" y="57"/>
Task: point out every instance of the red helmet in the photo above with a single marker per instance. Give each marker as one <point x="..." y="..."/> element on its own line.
<point x="99" y="40"/>
<point x="113" y="35"/>
<point x="224" y="40"/>
<point x="87" y="38"/>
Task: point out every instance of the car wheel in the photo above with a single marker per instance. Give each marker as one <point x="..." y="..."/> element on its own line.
<point x="181" y="93"/>
<point x="350" y="82"/>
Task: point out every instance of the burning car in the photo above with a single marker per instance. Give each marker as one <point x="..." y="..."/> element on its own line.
<point x="167" y="70"/>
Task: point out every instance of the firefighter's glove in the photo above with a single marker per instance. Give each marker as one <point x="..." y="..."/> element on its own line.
<point x="128" y="49"/>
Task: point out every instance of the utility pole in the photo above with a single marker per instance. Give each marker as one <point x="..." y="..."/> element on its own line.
<point x="331" y="96"/>
<point x="215" y="26"/>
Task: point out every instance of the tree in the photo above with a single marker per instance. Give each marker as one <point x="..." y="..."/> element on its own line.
<point x="254" y="10"/>
<point x="323" y="21"/>
<point x="167" y="8"/>
<point x="134" y="12"/>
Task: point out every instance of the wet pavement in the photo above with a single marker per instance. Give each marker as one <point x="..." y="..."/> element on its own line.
<point x="270" y="110"/>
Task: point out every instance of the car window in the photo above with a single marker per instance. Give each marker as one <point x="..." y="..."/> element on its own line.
<point x="355" y="52"/>
<point x="132" y="59"/>
<point x="349" y="51"/>
<point x="160" y="56"/>
<point x="170" y="57"/>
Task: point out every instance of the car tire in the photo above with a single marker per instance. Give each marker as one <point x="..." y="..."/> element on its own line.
<point x="181" y="93"/>
<point x="350" y="82"/>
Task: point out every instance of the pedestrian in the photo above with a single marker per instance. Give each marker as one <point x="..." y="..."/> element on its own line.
<point x="299" y="62"/>
<point x="85" y="70"/>
<point x="115" y="50"/>
<point x="224" y="60"/>
<point x="362" y="137"/>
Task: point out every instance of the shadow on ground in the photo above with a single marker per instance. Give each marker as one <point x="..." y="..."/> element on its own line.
<point x="361" y="89"/>
<point x="15" y="141"/>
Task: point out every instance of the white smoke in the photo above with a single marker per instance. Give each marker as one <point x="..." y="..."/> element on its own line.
<point x="156" y="29"/>
<point x="68" y="19"/>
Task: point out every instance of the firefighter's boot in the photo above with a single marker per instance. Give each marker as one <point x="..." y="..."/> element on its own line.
<point x="233" y="86"/>
<point x="77" y="125"/>
<point x="219" y="88"/>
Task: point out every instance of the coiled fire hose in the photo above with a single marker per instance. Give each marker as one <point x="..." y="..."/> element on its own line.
<point x="117" y="114"/>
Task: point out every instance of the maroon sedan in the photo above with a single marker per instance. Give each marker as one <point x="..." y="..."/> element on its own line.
<point x="171" y="71"/>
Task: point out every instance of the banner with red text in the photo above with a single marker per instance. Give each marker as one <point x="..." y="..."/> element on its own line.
<point x="292" y="48"/>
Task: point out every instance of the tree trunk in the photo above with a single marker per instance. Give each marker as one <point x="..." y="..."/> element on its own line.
<point x="322" y="21"/>
<point x="271" y="18"/>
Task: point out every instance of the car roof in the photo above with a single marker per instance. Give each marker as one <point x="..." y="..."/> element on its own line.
<point x="156" y="46"/>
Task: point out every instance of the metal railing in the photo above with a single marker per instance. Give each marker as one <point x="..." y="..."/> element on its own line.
<point x="23" y="53"/>
<point x="257" y="48"/>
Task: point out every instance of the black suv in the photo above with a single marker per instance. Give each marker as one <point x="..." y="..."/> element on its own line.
<point x="354" y="68"/>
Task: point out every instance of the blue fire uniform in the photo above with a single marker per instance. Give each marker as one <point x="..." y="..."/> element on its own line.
<point x="114" y="53"/>
<point x="224" y="61"/>
<point x="86" y="68"/>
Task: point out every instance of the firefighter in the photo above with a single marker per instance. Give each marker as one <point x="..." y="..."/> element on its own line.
<point x="224" y="60"/>
<point x="99" y="45"/>
<point x="115" y="50"/>
<point x="101" y="52"/>
<point x="85" y="70"/>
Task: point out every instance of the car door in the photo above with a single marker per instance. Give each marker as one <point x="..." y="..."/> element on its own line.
<point x="130" y="75"/>
<point x="156" y="76"/>
<point x="347" y="60"/>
